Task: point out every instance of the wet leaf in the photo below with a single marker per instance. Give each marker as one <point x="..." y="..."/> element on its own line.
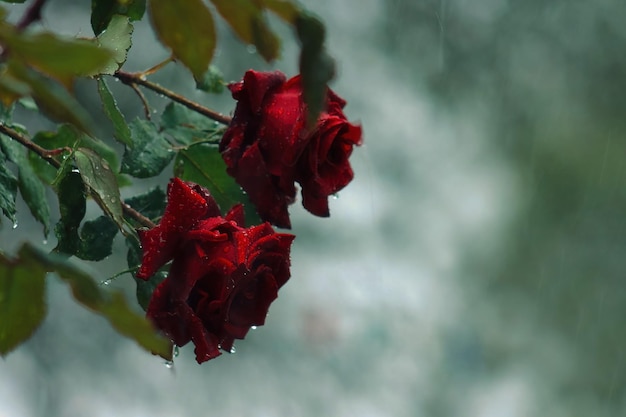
<point x="54" y="100"/>
<point x="97" y="175"/>
<point x="121" y="131"/>
<point x="59" y="58"/>
<point x="151" y="204"/>
<point x="111" y="306"/>
<point x="72" y="207"/>
<point x="187" y="28"/>
<point x="102" y="11"/>
<point x="22" y="301"/>
<point x="30" y="186"/>
<point x="203" y="164"/>
<point x="246" y="18"/>
<point x="96" y="239"/>
<point x="187" y="126"/>
<point x="8" y="189"/>
<point x="150" y="152"/>
<point x="117" y="38"/>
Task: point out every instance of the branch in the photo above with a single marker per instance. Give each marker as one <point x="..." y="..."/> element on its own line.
<point x="48" y="155"/>
<point x="130" y="79"/>
<point x="32" y="15"/>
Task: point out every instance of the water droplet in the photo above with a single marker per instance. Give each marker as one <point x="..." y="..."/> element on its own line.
<point x="15" y="224"/>
<point x="106" y="282"/>
<point x="113" y="199"/>
<point x="251" y="49"/>
<point x="175" y="351"/>
<point x="232" y="350"/>
<point x="169" y="364"/>
<point x="45" y="241"/>
<point x="252" y="327"/>
<point x="335" y="196"/>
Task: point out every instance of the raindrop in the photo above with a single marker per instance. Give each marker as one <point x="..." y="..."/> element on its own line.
<point x="232" y="350"/>
<point x="15" y="224"/>
<point x="335" y="196"/>
<point x="251" y="49"/>
<point x="169" y="364"/>
<point x="45" y="241"/>
<point x="252" y="327"/>
<point x="175" y="351"/>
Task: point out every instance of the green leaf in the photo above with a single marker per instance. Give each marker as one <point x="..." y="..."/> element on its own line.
<point x="72" y="207"/>
<point x="8" y="189"/>
<point x="32" y="190"/>
<point x="187" y="126"/>
<point x="187" y="28"/>
<point x="151" y="204"/>
<point x="96" y="239"/>
<point x="248" y="21"/>
<point x="117" y="38"/>
<point x="121" y="131"/>
<point x="285" y="9"/>
<point x="111" y="306"/>
<point x="145" y="289"/>
<point x="98" y="176"/>
<point x="62" y="59"/>
<point x="316" y="66"/>
<point x="67" y="137"/>
<point x="150" y="152"/>
<point x="203" y="164"/>
<point x="212" y="81"/>
<point x="102" y="11"/>
<point x="51" y="97"/>
<point x="22" y="301"/>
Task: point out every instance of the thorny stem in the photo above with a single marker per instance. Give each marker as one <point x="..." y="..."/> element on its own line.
<point x="130" y="79"/>
<point x="48" y="155"/>
<point x="32" y="15"/>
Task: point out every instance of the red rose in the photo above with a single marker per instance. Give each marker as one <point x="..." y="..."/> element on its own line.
<point x="223" y="277"/>
<point x="268" y="147"/>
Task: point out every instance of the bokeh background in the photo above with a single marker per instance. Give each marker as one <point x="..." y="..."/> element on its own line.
<point x="474" y="267"/>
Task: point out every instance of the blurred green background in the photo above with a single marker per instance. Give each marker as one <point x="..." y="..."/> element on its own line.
<point x="474" y="267"/>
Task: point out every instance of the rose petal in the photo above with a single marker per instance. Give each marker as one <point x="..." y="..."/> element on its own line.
<point x="184" y="208"/>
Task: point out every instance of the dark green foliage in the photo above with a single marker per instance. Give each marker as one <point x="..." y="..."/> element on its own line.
<point x="72" y="207"/>
<point x="103" y="10"/>
<point x="186" y="126"/>
<point x="96" y="239"/>
<point x="150" y="204"/>
<point x="150" y="152"/>
<point x="203" y="164"/>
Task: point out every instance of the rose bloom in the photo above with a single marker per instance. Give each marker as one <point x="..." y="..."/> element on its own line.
<point x="268" y="146"/>
<point x="223" y="277"/>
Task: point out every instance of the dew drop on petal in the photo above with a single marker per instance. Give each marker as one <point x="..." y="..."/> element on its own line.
<point x="232" y="350"/>
<point x="335" y="196"/>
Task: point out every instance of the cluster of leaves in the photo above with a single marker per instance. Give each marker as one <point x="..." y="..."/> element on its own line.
<point x="37" y="72"/>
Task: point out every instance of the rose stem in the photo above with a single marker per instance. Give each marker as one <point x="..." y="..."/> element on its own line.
<point x="130" y="79"/>
<point x="48" y="156"/>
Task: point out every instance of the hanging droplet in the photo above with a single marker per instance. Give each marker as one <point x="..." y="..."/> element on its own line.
<point x="169" y="364"/>
<point x="335" y="196"/>
<point x="232" y="350"/>
<point x="15" y="224"/>
<point x="175" y="351"/>
<point x="252" y="327"/>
